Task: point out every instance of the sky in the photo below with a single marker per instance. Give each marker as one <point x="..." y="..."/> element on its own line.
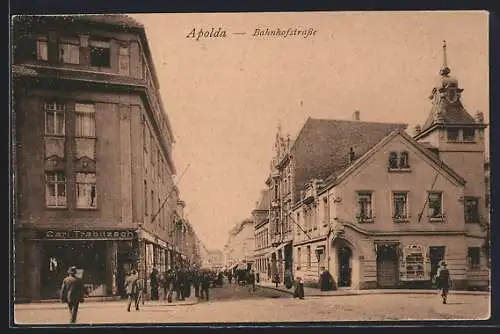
<point x="225" y="96"/>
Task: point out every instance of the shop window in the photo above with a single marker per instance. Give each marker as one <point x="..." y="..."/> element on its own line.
<point x="42" y="49"/>
<point x="435" y="205"/>
<point x="55" y="119"/>
<point x="452" y="134"/>
<point x="100" y="54"/>
<point x="69" y="52"/>
<point x="86" y="190"/>
<point x="474" y="257"/>
<point x="471" y="206"/>
<point x="84" y="120"/>
<point x="55" y="189"/>
<point x="364" y="210"/>
<point x="414" y="261"/>
<point x="468" y="134"/>
<point x="400" y="206"/>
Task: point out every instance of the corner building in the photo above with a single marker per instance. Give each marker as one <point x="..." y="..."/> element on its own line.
<point x="92" y="156"/>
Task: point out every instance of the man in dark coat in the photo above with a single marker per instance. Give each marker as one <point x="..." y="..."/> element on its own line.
<point x="326" y="281"/>
<point x="154" y="282"/>
<point x="132" y="289"/>
<point x="443" y="280"/>
<point x="196" y="283"/>
<point x="72" y="292"/>
<point x="180" y="286"/>
<point x="299" y="288"/>
<point x="205" y="285"/>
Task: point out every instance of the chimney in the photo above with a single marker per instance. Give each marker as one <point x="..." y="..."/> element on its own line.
<point x="418" y="129"/>
<point x="479" y="117"/>
<point x="355" y="115"/>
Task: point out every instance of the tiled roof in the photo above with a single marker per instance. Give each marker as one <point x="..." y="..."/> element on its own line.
<point x="323" y="145"/>
<point x="451" y="113"/>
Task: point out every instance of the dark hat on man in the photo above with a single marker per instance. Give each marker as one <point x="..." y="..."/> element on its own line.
<point x="72" y="270"/>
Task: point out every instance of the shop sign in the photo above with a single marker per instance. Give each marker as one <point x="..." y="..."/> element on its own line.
<point x="86" y="235"/>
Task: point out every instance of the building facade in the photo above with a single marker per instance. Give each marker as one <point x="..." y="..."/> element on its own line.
<point x="389" y="216"/>
<point x="92" y="155"/>
<point x="262" y="236"/>
<point x="240" y="245"/>
<point x="215" y="259"/>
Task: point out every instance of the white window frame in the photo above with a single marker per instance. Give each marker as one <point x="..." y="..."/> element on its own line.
<point x="406" y="215"/>
<point x="55" y="110"/>
<point x="42" y="49"/>
<point x="58" y="181"/>
<point x="86" y="184"/>
<point x="85" y="123"/>
<point x="71" y="51"/>
<point x="359" y="196"/>
<point x="441" y="216"/>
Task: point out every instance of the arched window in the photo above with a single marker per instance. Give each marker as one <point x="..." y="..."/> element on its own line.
<point x="393" y="160"/>
<point x="403" y="160"/>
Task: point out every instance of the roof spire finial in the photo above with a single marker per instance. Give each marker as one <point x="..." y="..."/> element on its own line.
<point x="445" y="70"/>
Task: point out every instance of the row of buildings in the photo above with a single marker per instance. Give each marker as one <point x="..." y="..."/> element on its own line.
<point x="239" y="248"/>
<point x="375" y="206"/>
<point x="92" y="168"/>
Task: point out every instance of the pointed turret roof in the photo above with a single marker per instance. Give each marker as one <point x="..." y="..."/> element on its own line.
<point x="447" y="108"/>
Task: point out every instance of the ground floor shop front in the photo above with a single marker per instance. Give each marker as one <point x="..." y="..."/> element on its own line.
<point x="102" y="257"/>
<point x="360" y="261"/>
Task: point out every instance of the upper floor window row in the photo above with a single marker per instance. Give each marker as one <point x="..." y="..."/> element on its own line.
<point x="399" y="161"/>
<point x="72" y="51"/>
<point x="55" y="119"/>
<point x="461" y="134"/>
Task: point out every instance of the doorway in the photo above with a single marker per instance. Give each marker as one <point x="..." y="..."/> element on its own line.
<point x="345" y="267"/>
<point x="387" y="266"/>
<point x="436" y="254"/>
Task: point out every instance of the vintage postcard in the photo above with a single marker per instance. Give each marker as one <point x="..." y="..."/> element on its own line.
<point x="250" y="167"/>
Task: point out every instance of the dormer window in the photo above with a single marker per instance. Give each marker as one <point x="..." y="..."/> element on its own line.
<point x="452" y="134"/>
<point x="399" y="161"/>
<point x="468" y="134"/>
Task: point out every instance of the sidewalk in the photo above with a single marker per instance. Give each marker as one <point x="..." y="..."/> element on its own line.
<point x="313" y="292"/>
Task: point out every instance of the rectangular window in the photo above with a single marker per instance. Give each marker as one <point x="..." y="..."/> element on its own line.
<point x="152" y="202"/>
<point x="85" y="120"/>
<point x="474" y="257"/>
<point x="471" y="210"/>
<point x="55" y="119"/>
<point x="299" y="257"/>
<point x="308" y="256"/>
<point x="400" y="205"/>
<point x="452" y="134"/>
<point x="100" y="54"/>
<point x="124" y="61"/>
<point x="468" y="134"/>
<point x="69" y="53"/>
<point x="364" y="206"/>
<point x="86" y="190"/>
<point x="42" y="50"/>
<point x="435" y="205"/>
<point x="55" y="189"/>
<point x="146" y="208"/>
<point x="326" y="209"/>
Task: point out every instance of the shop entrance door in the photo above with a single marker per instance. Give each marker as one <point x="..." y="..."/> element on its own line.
<point x="387" y="266"/>
<point x="436" y="254"/>
<point x="345" y="271"/>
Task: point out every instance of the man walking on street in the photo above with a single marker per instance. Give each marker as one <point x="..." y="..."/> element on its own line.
<point x="443" y="280"/>
<point x="132" y="289"/>
<point x="205" y="285"/>
<point x="251" y="281"/>
<point x="72" y="292"/>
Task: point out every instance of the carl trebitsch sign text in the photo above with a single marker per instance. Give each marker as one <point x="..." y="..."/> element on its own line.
<point x="217" y="33"/>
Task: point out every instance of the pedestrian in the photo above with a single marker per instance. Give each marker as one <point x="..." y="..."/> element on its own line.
<point x="276" y="278"/>
<point x="251" y="281"/>
<point x="72" y="292"/>
<point x="299" y="288"/>
<point x="132" y="289"/>
<point x="229" y="277"/>
<point x="205" y="286"/>
<point x="154" y="283"/>
<point x="443" y="280"/>
<point x="196" y="283"/>
<point x="326" y="281"/>
<point x="288" y="279"/>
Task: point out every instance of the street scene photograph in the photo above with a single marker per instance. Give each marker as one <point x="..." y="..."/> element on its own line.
<point x="298" y="167"/>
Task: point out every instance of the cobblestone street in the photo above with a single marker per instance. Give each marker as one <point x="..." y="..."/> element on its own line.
<point x="236" y="304"/>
